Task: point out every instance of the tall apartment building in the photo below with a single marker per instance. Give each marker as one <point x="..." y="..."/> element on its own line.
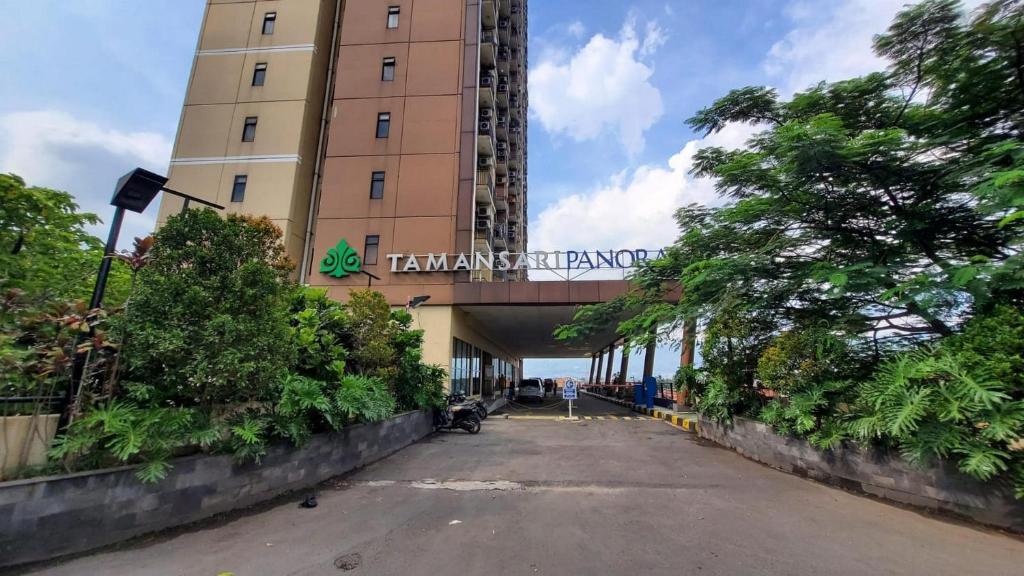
<point x="387" y="139"/>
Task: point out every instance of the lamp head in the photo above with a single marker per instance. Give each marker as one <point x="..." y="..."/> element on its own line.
<point x="417" y="300"/>
<point x="136" y="189"/>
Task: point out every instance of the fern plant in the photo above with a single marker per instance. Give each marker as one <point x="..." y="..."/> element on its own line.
<point x="364" y="399"/>
<point x="930" y="406"/>
<point x="120" y="432"/>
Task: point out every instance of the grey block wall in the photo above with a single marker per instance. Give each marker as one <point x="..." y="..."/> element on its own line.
<point x="43" y="518"/>
<point x="874" y="472"/>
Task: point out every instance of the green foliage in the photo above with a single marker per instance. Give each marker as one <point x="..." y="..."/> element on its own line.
<point x="364" y="399"/>
<point x="947" y="402"/>
<point x="718" y="400"/>
<point x="866" y="278"/>
<point x="119" y="432"/>
<point x="208" y="322"/>
<point x="372" y="331"/>
<point x="44" y="249"/>
<point x="320" y="326"/>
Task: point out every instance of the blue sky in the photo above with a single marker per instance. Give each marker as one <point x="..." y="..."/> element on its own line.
<point x="95" y="87"/>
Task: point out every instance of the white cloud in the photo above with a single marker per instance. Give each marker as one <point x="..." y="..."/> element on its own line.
<point x="831" y="44"/>
<point x="603" y="88"/>
<point x="631" y="210"/>
<point x="576" y="29"/>
<point x="56" y="150"/>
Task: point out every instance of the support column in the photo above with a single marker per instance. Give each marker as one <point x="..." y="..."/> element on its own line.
<point x="600" y="363"/>
<point x="593" y="364"/>
<point x="649" y="358"/>
<point x="689" y="343"/>
<point x="624" y="365"/>
<point x="608" y="369"/>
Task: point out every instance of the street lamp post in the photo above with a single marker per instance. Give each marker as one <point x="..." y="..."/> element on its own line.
<point x="134" y="191"/>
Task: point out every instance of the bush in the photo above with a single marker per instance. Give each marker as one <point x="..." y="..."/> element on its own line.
<point x="120" y="432"/>
<point x="364" y="399"/>
<point x="960" y="400"/>
<point x="319" y="327"/>
<point x="208" y="322"/>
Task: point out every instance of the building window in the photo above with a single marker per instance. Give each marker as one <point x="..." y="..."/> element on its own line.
<point x="249" y="131"/>
<point x="370" y="252"/>
<point x="238" y="190"/>
<point x="259" y="74"/>
<point x="387" y="73"/>
<point x="268" y="23"/>
<point x="377" y="186"/>
<point x="383" y="124"/>
<point x="393" y="16"/>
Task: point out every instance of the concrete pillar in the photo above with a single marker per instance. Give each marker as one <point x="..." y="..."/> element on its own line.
<point x="649" y="359"/>
<point x="608" y="369"/>
<point x="689" y="342"/>
<point x="624" y="366"/>
<point x="600" y="363"/>
<point x="593" y="364"/>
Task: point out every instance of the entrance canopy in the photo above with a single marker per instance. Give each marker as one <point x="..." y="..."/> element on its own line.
<point x="522" y="316"/>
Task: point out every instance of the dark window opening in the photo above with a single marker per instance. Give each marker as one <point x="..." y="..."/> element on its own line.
<point x="377" y="186"/>
<point x="387" y="73"/>
<point x="238" y="190"/>
<point x="259" y="74"/>
<point x="268" y="22"/>
<point x="370" y="252"/>
<point x="383" y="125"/>
<point x="249" y="131"/>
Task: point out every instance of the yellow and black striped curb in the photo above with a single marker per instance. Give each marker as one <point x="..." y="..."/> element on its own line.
<point x="687" y="422"/>
<point x="553" y="417"/>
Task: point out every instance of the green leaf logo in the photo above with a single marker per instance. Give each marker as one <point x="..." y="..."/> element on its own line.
<point x="341" y="261"/>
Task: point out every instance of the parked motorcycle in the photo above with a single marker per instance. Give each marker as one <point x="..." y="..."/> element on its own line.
<point x="456" y="415"/>
<point x="481" y="408"/>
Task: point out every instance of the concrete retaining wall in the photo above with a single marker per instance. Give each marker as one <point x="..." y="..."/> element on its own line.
<point x="873" y="472"/>
<point x="43" y="518"/>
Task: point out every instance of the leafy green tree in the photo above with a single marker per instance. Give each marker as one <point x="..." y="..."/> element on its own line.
<point x="320" y="327"/>
<point x="372" y="332"/>
<point x="44" y="248"/>
<point x="208" y="322"/>
<point x="884" y="212"/>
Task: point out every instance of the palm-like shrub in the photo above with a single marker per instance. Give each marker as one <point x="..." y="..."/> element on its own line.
<point x="364" y="399"/>
<point x="943" y="403"/>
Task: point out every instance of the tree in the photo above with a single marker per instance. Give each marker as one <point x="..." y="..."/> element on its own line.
<point x="208" y="322"/>
<point x="44" y="249"/>
<point x="885" y="206"/>
<point x="868" y="267"/>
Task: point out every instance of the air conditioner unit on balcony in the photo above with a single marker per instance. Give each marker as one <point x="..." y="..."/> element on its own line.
<point x="485" y="127"/>
<point x="502" y="88"/>
<point x="502" y="180"/>
<point x="501" y="146"/>
<point x="483" y="223"/>
<point x="483" y="211"/>
<point x="486" y="113"/>
<point x="502" y="157"/>
<point x="487" y="80"/>
<point x="504" y="22"/>
<point x="485" y="162"/>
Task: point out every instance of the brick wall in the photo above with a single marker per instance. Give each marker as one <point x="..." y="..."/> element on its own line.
<point x="43" y="518"/>
<point x="939" y="487"/>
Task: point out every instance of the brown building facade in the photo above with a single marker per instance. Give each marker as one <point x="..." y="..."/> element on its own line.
<point x="384" y="126"/>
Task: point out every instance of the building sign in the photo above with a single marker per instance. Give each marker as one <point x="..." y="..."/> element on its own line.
<point x="554" y="261"/>
<point x="341" y="261"/>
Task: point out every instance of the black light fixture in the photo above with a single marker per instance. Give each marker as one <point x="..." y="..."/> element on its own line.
<point x="134" y="191"/>
<point x="416" y="301"/>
